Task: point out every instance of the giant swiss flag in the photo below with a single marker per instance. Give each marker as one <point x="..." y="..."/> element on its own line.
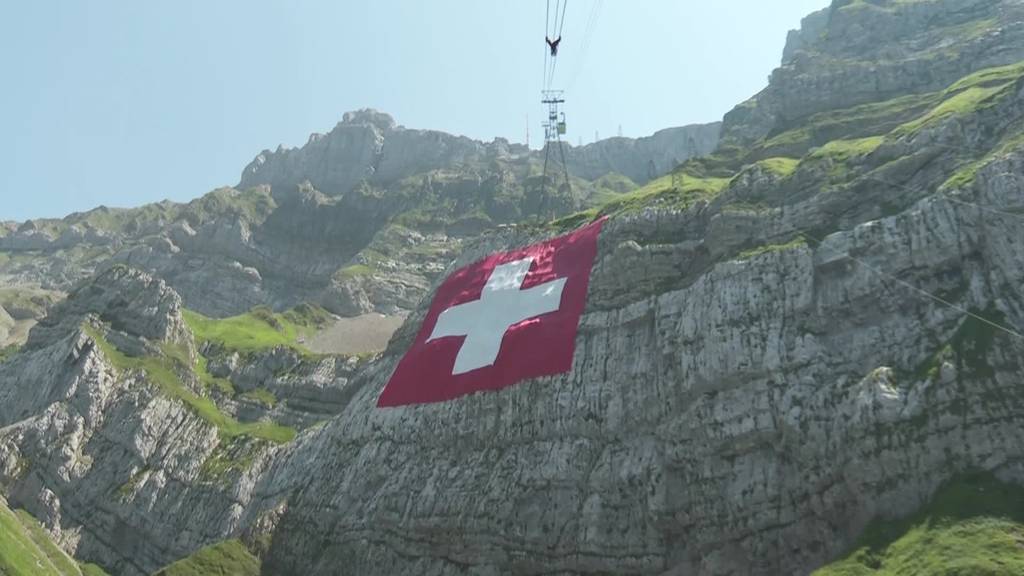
<point x="506" y="318"/>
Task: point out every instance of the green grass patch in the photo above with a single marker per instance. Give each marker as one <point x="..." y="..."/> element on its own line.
<point x="844" y="150"/>
<point x="211" y="382"/>
<point x="967" y="101"/>
<point x="974" y="526"/>
<point x="179" y="358"/>
<point x="900" y="116"/>
<point x="308" y="316"/>
<point x="849" y="124"/>
<point x="250" y="205"/>
<point x="26" y="549"/>
<point x="779" y="166"/>
<point x="665" y="193"/>
<point x="161" y="371"/>
<point x="797" y="242"/>
<point x="841" y="153"/>
<point x="965" y="176"/>
<point x="258" y="329"/>
<point x="228" y="558"/>
<point x="997" y="76"/>
<point x="968" y="95"/>
<point x="56" y="557"/>
<point x="660" y="193"/>
<point x="128" y="487"/>
<point x="353" y="271"/>
<point x="8" y="351"/>
<point x="262" y="396"/>
<point x="92" y="570"/>
<point x="574" y="221"/>
<point x="235" y="456"/>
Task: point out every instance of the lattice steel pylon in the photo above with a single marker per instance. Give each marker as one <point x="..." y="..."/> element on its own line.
<point x="554" y="128"/>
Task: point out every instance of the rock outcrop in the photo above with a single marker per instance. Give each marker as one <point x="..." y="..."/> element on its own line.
<point x="862" y="51"/>
<point x="368" y="146"/>
<point x="643" y="159"/>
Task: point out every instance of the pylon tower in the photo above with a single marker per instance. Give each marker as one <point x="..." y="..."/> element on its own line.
<point x="555" y="166"/>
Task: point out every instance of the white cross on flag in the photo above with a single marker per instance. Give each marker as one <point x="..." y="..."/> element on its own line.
<point x="504" y="319"/>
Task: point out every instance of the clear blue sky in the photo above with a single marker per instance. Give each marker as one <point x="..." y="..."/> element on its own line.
<point x="123" y="102"/>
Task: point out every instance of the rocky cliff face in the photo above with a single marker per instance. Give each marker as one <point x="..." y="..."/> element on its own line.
<point x="368" y="146"/>
<point x="862" y="51"/>
<point x="815" y="326"/>
<point x="643" y="159"/>
<point x="116" y="433"/>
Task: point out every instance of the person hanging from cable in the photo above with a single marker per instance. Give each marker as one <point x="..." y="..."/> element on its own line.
<point x="553" y="44"/>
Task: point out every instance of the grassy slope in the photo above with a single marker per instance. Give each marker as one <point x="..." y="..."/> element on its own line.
<point x="973" y="526"/>
<point x="228" y="558"/>
<point x="27" y="550"/>
<point x="258" y="329"/>
<point x="161" y="370"/>
<point x="838" y="137"/>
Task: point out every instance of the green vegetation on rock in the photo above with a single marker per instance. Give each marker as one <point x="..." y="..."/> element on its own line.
<point x="27" y="550"/>
<point x="8" y="351"/>
<point x="662" y="193"/>
<point x="778" y="165"/>
<point x="262" y="396"/>
<point x="965" y="176"/>
<point x="228" y="558"/>
<point x="851" y="123"/>
<point x="973" y="526"/>
<point x="92" y="570"/>
<point x="968" y="348"/>
<point x="25" y="301"/>
<point x="126" y="489"/>
<point x="258" y="329"/>
<point x="161" y="370"/>
<point x="236" y="455"/>
<point x="353" y="271"/>
<point x="968" y="95"/>
<point x="797" y="242"/>
<point x="659" y="193"/>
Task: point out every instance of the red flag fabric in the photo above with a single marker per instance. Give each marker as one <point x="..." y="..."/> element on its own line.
<point x="499" y="321"/>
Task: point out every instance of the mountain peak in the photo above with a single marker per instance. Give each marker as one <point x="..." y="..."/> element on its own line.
<point x="369" y="116"/>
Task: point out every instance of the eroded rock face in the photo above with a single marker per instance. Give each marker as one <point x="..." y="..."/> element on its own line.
<point x="92" y="449"/>
<point x="121" y="471"/>
<point x="749" y="419"/>
<point x="856" y="52"/>
<point x="642" y="159"/>
<point x="129" y="300"/>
